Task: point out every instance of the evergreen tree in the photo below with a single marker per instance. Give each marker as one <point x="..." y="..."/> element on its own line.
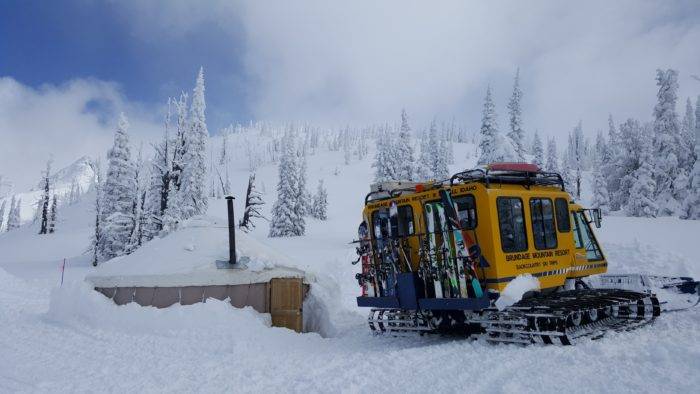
<point x="538" y="150"/>
<point x="286" y="220"/>
<point x="552" y="164"/>
<point x="493" y="146"/>
<point x="668" y="158"/>
<point x="192" y="196"/>
<point x="97" y="241"/>
<point x="601" y="197"/>
<point x="404" y="150"/>
<point x="45" y="200"/>
<point x="2" y="214"/>
<point x="691" y="204"/>
<point x="160" y="183"/>
<point x="13" y="220"/>
<point x="609" y="164"/>
<point x="304" y="199"/>
<point x="253" y="200"/>
<point x="320" y="202"/>
<point x="137" y="211"/>
<point x="118" y="195"/>
<point x="641" y="198"/>
<point x="385" y="159"/>
<point x="688" y="136"/>
<point x="516" y="133"/>
<point x="575" y="159"/>
<point x="424" y="166"/>
<point x="52" y="217"/>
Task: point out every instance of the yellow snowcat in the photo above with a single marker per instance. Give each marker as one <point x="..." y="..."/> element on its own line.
<point x="437" y="256"/>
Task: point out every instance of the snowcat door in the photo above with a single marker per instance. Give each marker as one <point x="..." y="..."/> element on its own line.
<point x="589" y="257"/>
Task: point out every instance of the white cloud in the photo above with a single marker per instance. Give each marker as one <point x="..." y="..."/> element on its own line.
<point x="66" y="122"/>
<point x="361" y="61"/>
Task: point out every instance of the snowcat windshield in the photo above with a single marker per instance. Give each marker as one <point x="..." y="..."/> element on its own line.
<point x="584" y="238"/>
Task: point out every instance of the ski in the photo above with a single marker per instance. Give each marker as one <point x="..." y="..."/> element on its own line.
<point x="435" y="271"/>
<point x="461" y="238"/>
<point x="449" y="259"/>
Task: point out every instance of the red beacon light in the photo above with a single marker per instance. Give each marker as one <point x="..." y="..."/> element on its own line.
<point x="512" y="166"/>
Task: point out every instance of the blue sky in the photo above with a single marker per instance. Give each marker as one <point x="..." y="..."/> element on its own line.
<point x="56" y="41"/>
<point x="67" y="67"/>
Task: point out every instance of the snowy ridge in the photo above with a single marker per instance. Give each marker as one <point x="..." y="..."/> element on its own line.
<point x="81" y="172"/>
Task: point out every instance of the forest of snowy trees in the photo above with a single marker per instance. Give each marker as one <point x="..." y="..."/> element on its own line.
<point x="637" y="167"/>
<point x="642" y="168"/>
<point x="134" y="205"/>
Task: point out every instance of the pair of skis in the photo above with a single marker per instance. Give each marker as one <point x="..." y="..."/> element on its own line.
<point x="443" y="263"/>
<point x="451" y="269"/>
<point x="468" y="268"/>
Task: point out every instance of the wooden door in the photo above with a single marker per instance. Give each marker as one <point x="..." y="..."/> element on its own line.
<point x="286" y="299"/>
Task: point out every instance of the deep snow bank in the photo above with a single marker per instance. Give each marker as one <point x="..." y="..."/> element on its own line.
<point x="78" y="305"/>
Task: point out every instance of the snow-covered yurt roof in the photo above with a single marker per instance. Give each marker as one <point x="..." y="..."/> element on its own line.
<point x="188" y="256"/>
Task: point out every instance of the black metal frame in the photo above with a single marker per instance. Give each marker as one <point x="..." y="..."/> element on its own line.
<point x="524" y="178"/>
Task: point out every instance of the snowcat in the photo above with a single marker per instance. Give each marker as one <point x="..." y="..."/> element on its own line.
<point x="437" y="256"/>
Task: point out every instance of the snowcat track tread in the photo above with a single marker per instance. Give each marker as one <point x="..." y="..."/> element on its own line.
<point x="570" y="316"/>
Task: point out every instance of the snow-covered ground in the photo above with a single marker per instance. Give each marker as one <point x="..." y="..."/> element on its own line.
<point x="71" y="338"/>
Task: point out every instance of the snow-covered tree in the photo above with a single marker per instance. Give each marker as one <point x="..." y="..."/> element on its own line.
<point x="641" y="198"/>
<point x="2" y="214"/>
<point x="668" y="156"/>
<point x="537" y="150"/>
<point x="253" y="200"/>
<point x="172" y="212"/>
<point x="575" y="156"/>
<point x="160" y="183"/>
<point x="515" y="132"/>
<point x="552" y="163"/>
<point x="45" y="200"/>
<point x="362" y="148"/>
<point x="404" y="150"/>
<point x="96" y="240"/>
<point x="320" y="207"/>
<point x="286" y="220"/>
<point x="691" y="204"/>
<point x="53" y="214"/>
<point x="609" y="164"/>
<point x="493" y="146"/>
<point x="385" y="165"/>
<point x="137" y="211"/>
<point x="688" y="136"/>
<point x="118" y="195"/>
<point x="192" y="196"/>
<point x="599" y="187"/>
<point x="304" y="200"/>
<point x="13" y="220"/>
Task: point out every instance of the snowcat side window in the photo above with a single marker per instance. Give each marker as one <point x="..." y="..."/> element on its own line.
<point x="563" y="219"/>
<point x="466" y="211"/>
<point x="542" y="215"/>
<point x="511" y="221"/>
<point x="406" y="220"/>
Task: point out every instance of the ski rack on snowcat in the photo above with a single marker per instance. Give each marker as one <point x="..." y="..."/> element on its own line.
<point x="510" y="177"/>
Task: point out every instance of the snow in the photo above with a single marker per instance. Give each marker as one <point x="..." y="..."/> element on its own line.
<point x="80" y="341"/>
<point x="188" y="257"/>
<point x="515" y="290"/>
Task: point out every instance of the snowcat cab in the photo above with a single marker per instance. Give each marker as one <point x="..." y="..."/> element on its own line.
<point x="437" y="255"/>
